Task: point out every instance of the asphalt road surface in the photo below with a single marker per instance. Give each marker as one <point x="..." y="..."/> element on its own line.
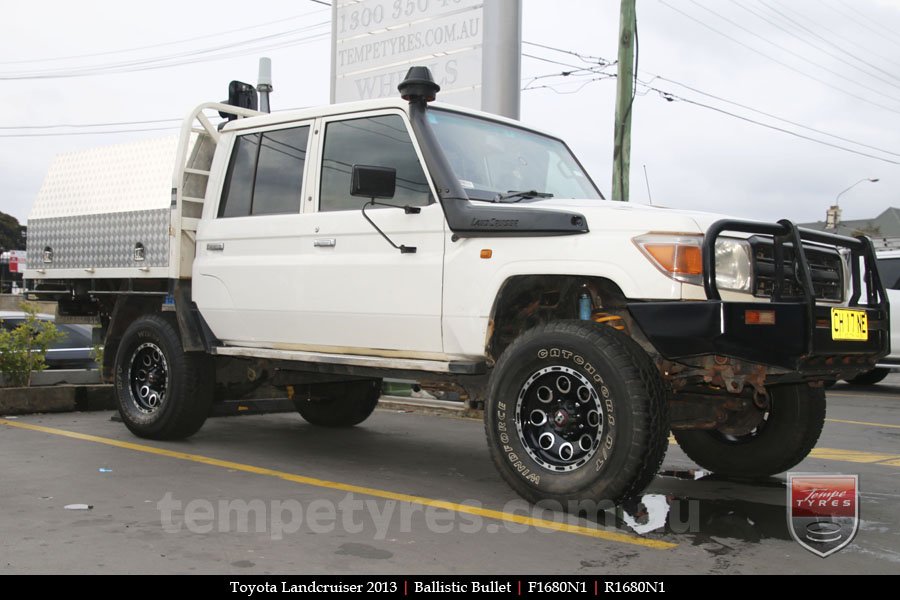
<point x="405" y="493"/>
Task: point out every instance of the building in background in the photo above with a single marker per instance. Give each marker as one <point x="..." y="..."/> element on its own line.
<point x="12" y="264"/>
<point x="883" y="229"/>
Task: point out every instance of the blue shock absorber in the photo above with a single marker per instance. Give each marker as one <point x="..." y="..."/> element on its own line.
<point x="585" y="307"/>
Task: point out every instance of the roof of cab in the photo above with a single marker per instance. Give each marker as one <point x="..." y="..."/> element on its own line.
<point x="301" y="114"/>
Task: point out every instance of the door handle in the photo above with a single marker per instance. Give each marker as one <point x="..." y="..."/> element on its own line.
<point x="215" y="246"/>
<point x="325" y="243"/>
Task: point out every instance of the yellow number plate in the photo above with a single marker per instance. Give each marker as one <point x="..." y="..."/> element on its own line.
<point x="847" y="324"/>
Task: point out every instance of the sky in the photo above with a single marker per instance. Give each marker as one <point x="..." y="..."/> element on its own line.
<point x="825" y="69"/>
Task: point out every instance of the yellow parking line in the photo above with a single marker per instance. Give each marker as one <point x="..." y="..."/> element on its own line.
<point x="855" y="456"/>
<point x="344" y="487"/>
<point x="868" y="424"/>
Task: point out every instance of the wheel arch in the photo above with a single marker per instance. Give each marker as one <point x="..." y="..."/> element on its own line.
<point x="524" y="301"/>
<point x="126" y="310"/>
<point x="194" y="333"/>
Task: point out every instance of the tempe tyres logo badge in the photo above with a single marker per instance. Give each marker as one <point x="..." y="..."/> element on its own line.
<point x="823" y="511"/>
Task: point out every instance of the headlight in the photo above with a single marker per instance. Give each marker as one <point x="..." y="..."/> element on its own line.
<point x="734" y="267"/>
<point x="678" y="256"/>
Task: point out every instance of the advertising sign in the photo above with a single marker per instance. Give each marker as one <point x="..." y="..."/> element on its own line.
<point x="374" y="42"/>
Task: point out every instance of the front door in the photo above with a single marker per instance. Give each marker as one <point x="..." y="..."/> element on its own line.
<point x="363" y="293"/>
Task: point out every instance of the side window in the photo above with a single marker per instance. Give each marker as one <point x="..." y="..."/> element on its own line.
<point x="279" y="172"/>
<point x="265" y="174"/>
<point x="373" y="141"/>
<point x="238" y="194"/>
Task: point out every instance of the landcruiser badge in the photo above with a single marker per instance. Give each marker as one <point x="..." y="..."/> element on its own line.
<point x="823" y="511"/>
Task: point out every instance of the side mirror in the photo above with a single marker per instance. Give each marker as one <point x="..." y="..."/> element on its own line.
<point x="373" y="182"/>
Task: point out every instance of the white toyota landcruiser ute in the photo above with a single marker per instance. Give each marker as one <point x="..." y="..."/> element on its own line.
<point x="322" y="250"/>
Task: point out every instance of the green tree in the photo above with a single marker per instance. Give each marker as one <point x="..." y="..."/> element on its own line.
<point x="12" y="234"/>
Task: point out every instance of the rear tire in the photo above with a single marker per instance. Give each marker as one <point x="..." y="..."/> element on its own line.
<point x="576" y="412"/>
<point x="869" y="377"/>
<point x="163" y="392"/>
<point x="788" y="434"/>
<point x="338" y="404"/>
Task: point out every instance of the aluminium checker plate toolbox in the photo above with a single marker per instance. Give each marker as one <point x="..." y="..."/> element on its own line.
<point x="104" y="209"/>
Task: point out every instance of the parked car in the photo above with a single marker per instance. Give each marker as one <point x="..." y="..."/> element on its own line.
<point x="889" y="270"/>
<point x="72" y="351"/>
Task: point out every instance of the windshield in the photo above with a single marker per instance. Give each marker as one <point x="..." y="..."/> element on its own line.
<point x="492" y="160"/>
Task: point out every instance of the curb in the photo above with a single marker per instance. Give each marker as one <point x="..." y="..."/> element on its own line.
<point x="57" y="398"/>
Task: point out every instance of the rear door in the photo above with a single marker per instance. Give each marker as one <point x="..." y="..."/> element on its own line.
<point x="249" y="262"/>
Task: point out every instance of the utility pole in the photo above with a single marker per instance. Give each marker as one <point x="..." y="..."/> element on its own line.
<point x="624" y="100"/>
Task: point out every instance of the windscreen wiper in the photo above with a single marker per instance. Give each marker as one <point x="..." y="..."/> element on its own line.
<point x="522" y="195"/>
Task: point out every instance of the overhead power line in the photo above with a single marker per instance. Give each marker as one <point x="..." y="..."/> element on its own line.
<point x="668" y="95"/>
<point x="584" y="57"/>
<point x="672" y="97"/>
<point x="837" y="56"/>
<point x="161" y="44"/>
<point x="554" y="89"/>
<point x="780" y="62"/>
<point x="836" y="35"/>
<point x="795" y="54"/>
<point x="68" y="133"/>
<point x="78" y="125"/>
<point x="776" y="117"/>
<point x="865" y="17"/>
<point x="861" y="23"/>
<point x="555" y="62"/>
<point x="271" y="41"/>
<point x="593" y="68"/>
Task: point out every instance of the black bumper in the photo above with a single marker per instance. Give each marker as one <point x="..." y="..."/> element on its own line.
<point x="800" y="340"/>
<point x="682" y="330"/>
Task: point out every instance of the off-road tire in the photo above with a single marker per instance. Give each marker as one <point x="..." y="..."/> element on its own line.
<point x="630" y="439"/>
<point x="181" y="381"/>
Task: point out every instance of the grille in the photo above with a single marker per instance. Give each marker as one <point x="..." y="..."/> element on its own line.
<point x="825" y="264"/>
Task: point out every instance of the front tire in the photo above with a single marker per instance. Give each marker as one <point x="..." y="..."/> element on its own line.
<point x="576" y="412"/>
<point x="787" y="435"/>
<point x="163" y="392"/>
<point x="338" y="404"/>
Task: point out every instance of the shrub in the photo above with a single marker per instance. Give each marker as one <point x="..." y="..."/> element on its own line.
<point x="24" y="349"/>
